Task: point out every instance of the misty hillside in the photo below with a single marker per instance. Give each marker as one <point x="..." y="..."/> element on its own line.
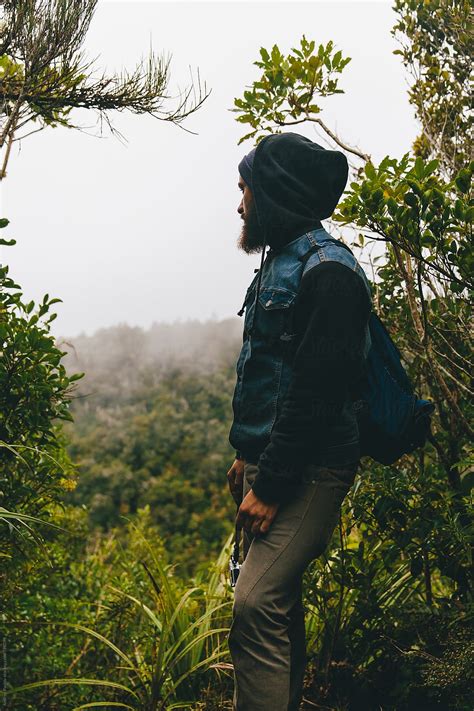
<point x="116" y="360"/>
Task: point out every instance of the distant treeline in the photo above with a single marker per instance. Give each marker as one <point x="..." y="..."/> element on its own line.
<point x="123" y="350"/>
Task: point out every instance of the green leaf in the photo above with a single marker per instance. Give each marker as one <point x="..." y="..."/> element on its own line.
<point x="411" y="199"/>
<point x="76" y="376"/>
<point x="245" y="118"/>
<point x="431" y="167"/>
<point x="419" y="167"/>
<point x="106" y="704"/>
<point x="365" y="190"/>
<point x="68" y="682"/>
<point x="276" y="54"/>
<point x="458" y="209"/>
<point x="463" y="180"/>
<point x="370" y="170"/>
<point x="427" y="239"/>
<point x="246" y="137"/>
<point x="392" y="206"/>
<point x="377" y="196"/>
<point x="415" y="186"/>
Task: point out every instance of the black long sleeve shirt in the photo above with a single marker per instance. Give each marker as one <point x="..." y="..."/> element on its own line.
<point x="331" y="312"/>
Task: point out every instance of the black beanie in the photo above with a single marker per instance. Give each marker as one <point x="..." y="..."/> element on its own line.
<point x="246" y="167"/>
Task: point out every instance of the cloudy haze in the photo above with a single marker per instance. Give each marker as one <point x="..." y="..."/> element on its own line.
<point x="147" y="231"/>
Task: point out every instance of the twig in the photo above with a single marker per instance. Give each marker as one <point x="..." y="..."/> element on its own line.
<point x="330" y="133"/>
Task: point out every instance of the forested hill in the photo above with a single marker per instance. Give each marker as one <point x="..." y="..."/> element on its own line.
<point x="114" y="359"/>
<point x="151" y="422"/>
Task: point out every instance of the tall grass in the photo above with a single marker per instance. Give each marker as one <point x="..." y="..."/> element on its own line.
<point x="185" y="637"/>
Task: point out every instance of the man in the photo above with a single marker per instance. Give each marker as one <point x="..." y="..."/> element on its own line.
<point x="294" y="428"/>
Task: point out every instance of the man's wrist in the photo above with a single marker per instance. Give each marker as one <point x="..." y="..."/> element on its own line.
<point x="268" y="492"/>
<point x="276" y="479"/>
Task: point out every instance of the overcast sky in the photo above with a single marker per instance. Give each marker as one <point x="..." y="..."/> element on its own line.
<point x="147" y="231"/>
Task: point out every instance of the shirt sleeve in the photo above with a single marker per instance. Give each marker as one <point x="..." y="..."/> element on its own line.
<point x="331" y="312"/>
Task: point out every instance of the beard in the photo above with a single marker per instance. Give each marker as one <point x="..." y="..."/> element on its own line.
<point x="251" y="238"/>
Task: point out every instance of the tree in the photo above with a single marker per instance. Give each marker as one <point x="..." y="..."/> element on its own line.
<point x="44" y="74"/>
<point x="436" y="48"/>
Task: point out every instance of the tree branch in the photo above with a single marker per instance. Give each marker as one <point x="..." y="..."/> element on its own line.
<point x="330" y="133"/>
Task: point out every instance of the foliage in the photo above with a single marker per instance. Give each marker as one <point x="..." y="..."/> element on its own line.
<point x="382" y="624"/>
<point x="162" y="443"/>
<point x="130" y="614"/>
<point x="44" y="75"/>
<point x="390" y="651"/>
<point x="421" y="286"/>
<point x="286" y="92"/>
<point x="409" y="206"/>
<point x="421" y="291"/>
<point x="35" y="393"/>
<point x="436" y="48"/>
<point x="34" y="387"/>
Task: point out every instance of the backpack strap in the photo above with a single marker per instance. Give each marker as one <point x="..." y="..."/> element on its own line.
<point x="320" y="247"/>
<point x="317" y="248"/>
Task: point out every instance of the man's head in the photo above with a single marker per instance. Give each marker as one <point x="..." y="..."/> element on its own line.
<point x="251" y="234"/>
<point x="289" y="185"/>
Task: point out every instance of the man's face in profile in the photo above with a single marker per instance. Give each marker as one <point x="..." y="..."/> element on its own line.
<point x="251" y="235"/>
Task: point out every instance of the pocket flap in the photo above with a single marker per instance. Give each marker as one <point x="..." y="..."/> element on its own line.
<point x="276" y="298"/>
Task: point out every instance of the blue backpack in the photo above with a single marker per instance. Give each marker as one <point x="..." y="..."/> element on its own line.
<point x="392" y="420"/>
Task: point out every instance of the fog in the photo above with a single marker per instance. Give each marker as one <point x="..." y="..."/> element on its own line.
<point x="192" y="345"/>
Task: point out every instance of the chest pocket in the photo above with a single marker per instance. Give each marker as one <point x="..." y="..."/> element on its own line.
<point x="274" y="314"/>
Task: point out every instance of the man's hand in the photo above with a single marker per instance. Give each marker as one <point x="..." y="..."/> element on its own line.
<point x="235" y="478"/>
<point x="255" y="515"/>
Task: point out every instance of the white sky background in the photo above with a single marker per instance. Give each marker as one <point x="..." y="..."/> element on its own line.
<point x="147" y="231"/>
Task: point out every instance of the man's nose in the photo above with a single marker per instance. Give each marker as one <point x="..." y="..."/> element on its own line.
<point x="240" y="209"/>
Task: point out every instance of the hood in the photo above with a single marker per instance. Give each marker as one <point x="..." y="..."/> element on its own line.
<point x="295" y="184"/>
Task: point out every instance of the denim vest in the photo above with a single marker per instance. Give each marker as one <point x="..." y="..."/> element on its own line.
<point x="264" y="366"/>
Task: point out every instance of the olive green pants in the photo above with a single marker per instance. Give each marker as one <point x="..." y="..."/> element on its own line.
<point x="267" y="638"/>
